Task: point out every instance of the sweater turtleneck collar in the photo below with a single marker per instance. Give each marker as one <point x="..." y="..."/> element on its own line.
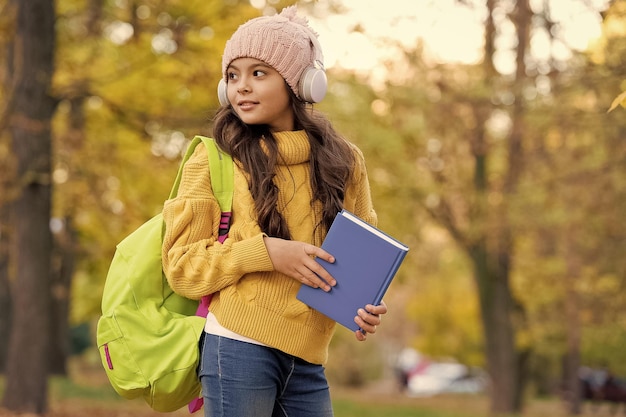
<point x="293" y="146"/>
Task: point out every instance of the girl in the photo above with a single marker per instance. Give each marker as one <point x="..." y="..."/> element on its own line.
<point x="263" y="350"/>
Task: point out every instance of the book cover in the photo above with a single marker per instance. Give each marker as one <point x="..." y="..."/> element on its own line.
<point x="366" y="260"/>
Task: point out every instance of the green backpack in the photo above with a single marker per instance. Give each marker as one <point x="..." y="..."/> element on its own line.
<point x="148" y="335"/>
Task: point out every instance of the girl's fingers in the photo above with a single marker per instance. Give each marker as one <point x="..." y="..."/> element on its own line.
<point x="313" y="277"/>
<point x="368" y="319"/>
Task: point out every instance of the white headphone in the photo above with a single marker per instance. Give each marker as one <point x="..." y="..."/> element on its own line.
<point x="312" y="85"/>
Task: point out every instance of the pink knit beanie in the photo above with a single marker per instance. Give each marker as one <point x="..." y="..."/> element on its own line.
<point x="282" y="41"/>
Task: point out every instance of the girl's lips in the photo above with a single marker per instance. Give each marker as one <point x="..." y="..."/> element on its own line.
<point x="246" y="105"/>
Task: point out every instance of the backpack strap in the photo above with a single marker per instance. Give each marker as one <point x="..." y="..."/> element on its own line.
<point x="220" y="163"/>
<point x="179" y="175"/>
<point x="222" y="183"/>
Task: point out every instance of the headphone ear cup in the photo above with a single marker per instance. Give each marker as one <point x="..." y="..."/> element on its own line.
<point x="313" y="85"/>
<point x="221" y="93"/>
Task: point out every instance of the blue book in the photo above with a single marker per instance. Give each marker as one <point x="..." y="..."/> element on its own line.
<point x="366" y="260"/>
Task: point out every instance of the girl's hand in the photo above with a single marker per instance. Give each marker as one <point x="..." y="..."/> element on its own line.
<point x="368" y="319"/>
<point x="296" y="260"/>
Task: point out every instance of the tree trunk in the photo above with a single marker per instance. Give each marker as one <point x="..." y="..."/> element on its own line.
<point x="6" y="178"/>
<point x="491" y="253"/>
<point x="573" y="326"/>
<point x="492" y="277"/>
<point x="32" y="66"/>
<point x="62" y="272"/>
<point x="5" y="298"/>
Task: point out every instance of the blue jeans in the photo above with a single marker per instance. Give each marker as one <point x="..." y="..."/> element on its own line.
<point x="241" y="379"/>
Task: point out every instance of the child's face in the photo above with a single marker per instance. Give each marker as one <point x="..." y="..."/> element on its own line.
<point x="258" y="94"/>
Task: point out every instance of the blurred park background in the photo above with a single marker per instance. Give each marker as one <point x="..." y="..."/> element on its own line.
<point x="496" y="147"/>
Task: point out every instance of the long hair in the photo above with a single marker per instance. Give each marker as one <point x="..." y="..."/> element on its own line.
<point x="331" y="162"/>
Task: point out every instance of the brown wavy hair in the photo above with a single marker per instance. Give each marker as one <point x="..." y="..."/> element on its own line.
<point x="331" y="162"/>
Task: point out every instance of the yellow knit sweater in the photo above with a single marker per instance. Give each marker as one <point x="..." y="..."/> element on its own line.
<point x="251" y="298"/>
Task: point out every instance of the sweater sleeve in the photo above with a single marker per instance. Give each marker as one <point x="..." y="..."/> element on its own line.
<point x="194" y="261"/>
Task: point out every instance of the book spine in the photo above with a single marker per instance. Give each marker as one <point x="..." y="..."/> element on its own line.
<point x="392" y="272"/>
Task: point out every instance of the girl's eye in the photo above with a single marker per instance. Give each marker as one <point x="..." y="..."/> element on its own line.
<point x="231" y="76"/>
<point x="259" y="73"/>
